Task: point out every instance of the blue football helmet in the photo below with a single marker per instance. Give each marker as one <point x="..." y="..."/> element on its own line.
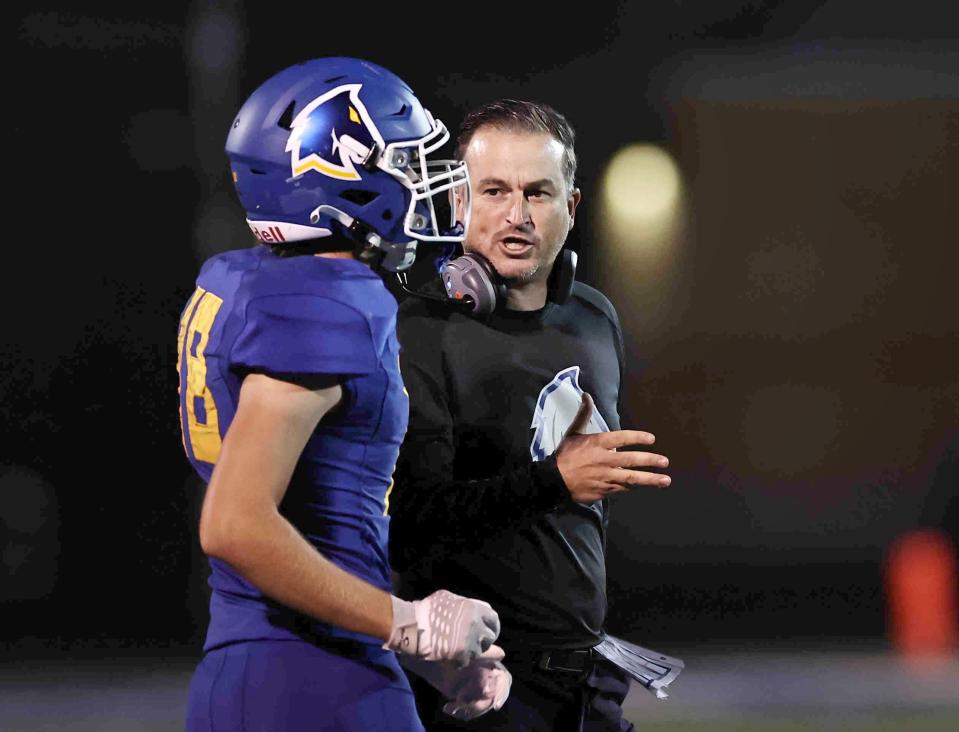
<point x="342" y="145"/>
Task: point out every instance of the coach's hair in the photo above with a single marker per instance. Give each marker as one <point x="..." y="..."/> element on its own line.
<point x="513" y="114"/>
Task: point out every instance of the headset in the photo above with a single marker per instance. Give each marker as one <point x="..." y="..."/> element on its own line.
<point x="473" y="284"/>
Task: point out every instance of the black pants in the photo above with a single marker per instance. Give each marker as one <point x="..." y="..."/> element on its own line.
<point x="541" y="701"/>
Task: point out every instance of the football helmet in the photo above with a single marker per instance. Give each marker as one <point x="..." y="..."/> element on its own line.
<point x="341" y="145"/>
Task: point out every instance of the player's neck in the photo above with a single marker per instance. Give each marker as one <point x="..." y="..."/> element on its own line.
<point x="526" y="296"/>
<point x="336" y="255"/>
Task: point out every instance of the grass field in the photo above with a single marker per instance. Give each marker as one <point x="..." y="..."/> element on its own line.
<point x="762" y="691"/>
<point x="893" y="722"/>
<point x="753" y="723"/>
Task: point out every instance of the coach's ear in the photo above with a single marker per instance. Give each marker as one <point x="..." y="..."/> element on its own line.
<point x="458" y="202"/>
<point x="571" y="203"/>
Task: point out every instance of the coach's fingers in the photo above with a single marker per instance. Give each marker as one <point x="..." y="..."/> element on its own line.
<point x="635" y="459"/>
<point x="624" y="438"/>
<point x="634" y="478"/>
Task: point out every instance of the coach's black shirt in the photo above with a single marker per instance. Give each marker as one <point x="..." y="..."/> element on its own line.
<point x="472" y="512"/>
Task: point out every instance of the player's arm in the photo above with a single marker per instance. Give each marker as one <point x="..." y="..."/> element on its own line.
<point x="240" y="524"/>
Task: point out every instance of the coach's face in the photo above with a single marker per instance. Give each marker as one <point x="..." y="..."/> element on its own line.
<point x="522" y="208"/>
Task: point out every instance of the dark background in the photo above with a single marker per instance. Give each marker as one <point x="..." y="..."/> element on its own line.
<point x="798" y="359"/>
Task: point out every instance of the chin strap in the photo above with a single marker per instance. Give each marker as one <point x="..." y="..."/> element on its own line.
<point x="359" y="231"/>
<point x="369" y="247"/>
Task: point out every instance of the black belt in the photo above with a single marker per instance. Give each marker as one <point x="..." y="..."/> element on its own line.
<point x="577" y="661"/>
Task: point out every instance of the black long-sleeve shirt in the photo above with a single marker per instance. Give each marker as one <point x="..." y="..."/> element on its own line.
<point x="472" y="510"/>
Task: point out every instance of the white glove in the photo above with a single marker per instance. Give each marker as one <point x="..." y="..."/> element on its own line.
<point x="443" y="627"/>
<point x="480" y="687"/>
<point x="472" y="691"/>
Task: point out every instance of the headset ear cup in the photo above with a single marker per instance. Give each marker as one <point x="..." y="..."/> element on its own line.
<point x="561" y="278"/>
<point x="497" y="283"/>
<point x="471" y="278"/>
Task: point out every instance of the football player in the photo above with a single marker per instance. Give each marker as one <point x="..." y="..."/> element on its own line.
<point x="293" y="409"/>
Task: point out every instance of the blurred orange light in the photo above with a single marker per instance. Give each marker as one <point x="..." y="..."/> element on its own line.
<point x="921" y="585"/>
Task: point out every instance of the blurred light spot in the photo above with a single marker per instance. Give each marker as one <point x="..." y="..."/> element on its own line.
<point x="640" y="239"/>
<point x="921" y="585"/>
<point x="216" y="40"/>
<point x="641" y="186"/>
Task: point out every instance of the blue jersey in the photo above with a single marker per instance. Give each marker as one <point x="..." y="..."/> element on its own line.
<point x="292" y="317"/>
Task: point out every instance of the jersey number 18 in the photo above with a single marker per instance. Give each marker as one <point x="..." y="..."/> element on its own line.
<point x="200" y="427"/>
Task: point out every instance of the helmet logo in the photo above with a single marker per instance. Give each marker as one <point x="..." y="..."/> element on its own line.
<point x="333" y="134"/>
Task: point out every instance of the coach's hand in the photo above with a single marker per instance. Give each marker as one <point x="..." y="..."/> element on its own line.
<point x="591" y="466"/>
<point x="443" y="627"/>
